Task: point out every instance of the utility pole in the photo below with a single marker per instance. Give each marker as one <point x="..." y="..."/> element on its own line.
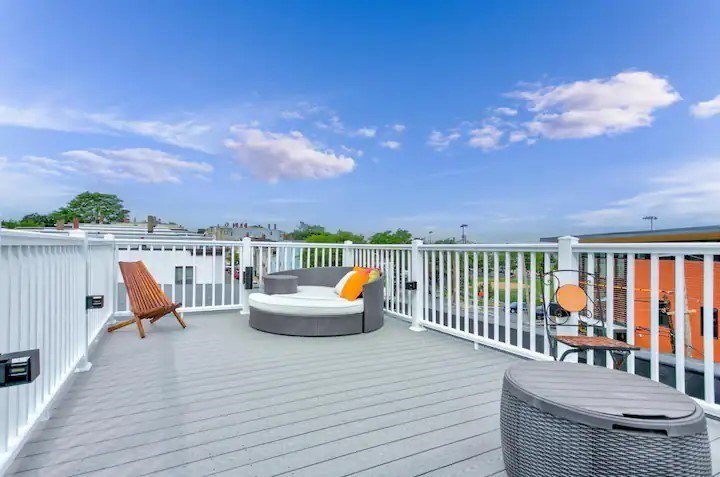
<point x="652" y="220"/>
<point x="464" y="237"/>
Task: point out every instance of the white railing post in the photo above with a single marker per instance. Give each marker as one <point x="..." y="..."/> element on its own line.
<point x="567" y="275"/>
<point x="112" y="298"/>
<point x="84" y="364"/>
<point x="348" y="259"/>
<point x="247" y="261"/>
<point x="418" y="276"/>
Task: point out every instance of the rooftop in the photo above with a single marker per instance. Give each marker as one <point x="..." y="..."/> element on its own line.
<point x="709" y="233"/>
<point x="222" y="398"/>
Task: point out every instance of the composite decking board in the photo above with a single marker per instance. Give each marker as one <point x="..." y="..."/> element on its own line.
<point x="275" y="362"/>
<point x="484" y="464"/>
<point x="245" y="385"/>
<point x="272" y="427"/>
<point x="364" y="385"/>
<point x="444" y="454"/>
<point x="227" y="416"/>
<point x="220" y="397"/>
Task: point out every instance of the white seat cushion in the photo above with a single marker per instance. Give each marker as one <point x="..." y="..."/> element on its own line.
<point x="308" y="301"/>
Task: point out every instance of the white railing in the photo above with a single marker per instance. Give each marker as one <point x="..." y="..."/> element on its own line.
<point x="203" y="275"/>
<point x="477" y="292"/>
<point x="490" y="294"/>
<point x="101" y="281"/>
<point x="657" y="296"/>
<point x="43" y="284"/>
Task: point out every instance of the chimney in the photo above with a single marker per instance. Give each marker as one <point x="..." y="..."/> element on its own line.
<point x="269" y="227"/>
<point x="274" y="226"/>
<point x="263" y="236"/>
<point x="76" y="223"/>
<point x="150" y="224"/>
<point x="60" y="224"/>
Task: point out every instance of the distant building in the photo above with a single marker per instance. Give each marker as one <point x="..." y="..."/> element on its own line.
<point x="128" y="230"/>
<point x="238" y="231"/>
<point x="693" y="272"/>
<point x="710" y="233"/>
<point x="181" y="264"/>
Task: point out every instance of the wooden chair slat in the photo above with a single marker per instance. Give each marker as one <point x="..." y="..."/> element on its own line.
<point x="147" y="300"/>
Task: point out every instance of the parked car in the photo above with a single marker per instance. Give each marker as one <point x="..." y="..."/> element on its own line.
<point x="539" y="312"/>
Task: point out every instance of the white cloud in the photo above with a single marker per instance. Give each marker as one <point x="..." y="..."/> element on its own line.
<point x="23" y="192"/>
<point x="596" y="107"/>
<point x="185" y="134"/>
<point x="440" y="141"/>
<point x="352" y="151"/>
<point x="46" y="165"/>
<point x="188" y="133"/>
<point x="506" y="111"/>
<point x="237" y="177"/>
<point x="518" y="136"/>
<point x="687" y="193"/>
<point x="706" y="109"/>
<point x="486" y="138"/>
<point x="333" y="123"/>
<point x="398" y="128"/>
<point x="273" y="156"/>
<point x="291" y="115"/>
<point x="137" y="165"/>
<point x="366" y="132"/>
<point x="390" y="145"/>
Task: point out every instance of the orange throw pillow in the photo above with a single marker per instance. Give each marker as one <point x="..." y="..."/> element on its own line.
<point x="353" y="287"/>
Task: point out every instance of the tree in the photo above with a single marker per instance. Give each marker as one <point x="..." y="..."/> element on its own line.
<point x="303" y="231"/>
<point x="445" y="241"/>
<point x="389" y="237"/>
<point x="94" y="207"/>
<point x="31" y="220"/>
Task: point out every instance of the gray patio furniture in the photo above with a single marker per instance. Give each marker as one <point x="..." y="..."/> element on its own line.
<point x="280" y="284"/>
<point x="328" y="316"/>
<point x="570" y="419"/>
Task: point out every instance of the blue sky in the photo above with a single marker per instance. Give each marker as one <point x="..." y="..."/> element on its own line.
<point x="521" y="119"/>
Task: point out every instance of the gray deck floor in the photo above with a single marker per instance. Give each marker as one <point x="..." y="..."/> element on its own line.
<point x="221" y="398"/>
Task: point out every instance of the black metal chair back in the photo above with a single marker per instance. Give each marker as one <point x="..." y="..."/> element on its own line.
<point x="591" y="315"/>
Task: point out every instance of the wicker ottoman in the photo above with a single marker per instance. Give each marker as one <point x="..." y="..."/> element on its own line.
<point x="570" y="419"/>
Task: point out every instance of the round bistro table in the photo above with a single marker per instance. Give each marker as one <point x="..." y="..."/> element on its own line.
<point x="280" y="284"/>
<point x="570" y="419"/>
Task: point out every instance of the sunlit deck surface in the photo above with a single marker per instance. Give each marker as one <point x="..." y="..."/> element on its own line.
<point x="222" y="398"/>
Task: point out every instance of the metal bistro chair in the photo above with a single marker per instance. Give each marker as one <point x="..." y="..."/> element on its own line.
<point x="568" y="299"/>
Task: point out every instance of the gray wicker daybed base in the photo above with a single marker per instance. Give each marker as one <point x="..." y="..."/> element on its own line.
<point x="370" y="319"/>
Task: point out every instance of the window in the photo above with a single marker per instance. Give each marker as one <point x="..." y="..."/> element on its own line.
<point x="184" y="275"/>
<point x="714" y="325"/>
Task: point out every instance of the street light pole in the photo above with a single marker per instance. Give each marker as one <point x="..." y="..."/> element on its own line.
<point x="652" y="220"/>
<point x="464" y="237"/>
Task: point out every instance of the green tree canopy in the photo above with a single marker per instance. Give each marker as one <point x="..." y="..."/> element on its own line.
<point x="31" y="220"/>
<point x="389" y="237"/>
<point x="92" y="207"/>
<point x="339" y="237"/>
<point x="303" y="231"/>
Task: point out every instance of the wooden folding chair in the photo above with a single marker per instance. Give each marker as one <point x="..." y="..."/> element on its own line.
<point x="147" y="300"/>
